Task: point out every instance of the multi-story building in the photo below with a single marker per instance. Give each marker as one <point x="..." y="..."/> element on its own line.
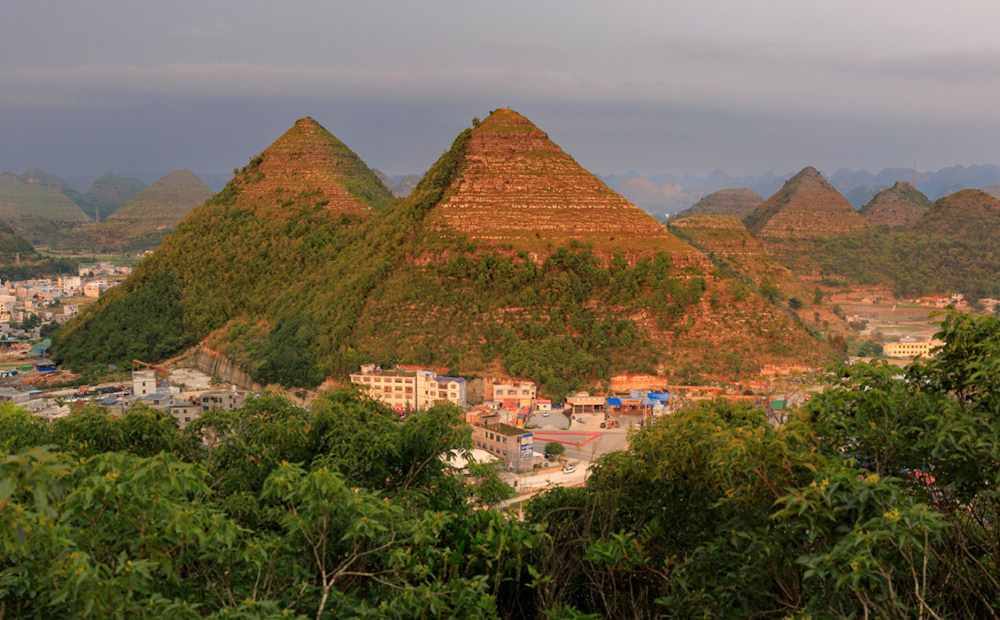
<point x="910" y="347"/>
<point x="517" y="395"/>
<point x="143" y="382"/>
<point x="185" y="412"/>
<point x="410" y="390"/>
<point x="222" y="399"/>
<point x="94" y="288"/>
<point x="514" y="446"/>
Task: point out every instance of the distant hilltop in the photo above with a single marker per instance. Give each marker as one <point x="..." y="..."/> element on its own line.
<point x="669" y="194"/>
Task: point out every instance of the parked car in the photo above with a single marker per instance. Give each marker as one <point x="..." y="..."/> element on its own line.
<point x="604" y="424"/>
<point x="568" y="469"/>
<point x="545" y="414"/>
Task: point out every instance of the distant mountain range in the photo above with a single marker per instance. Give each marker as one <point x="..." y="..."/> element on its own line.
<point x="665" y="194"/>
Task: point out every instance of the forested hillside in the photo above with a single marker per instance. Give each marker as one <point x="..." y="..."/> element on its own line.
<point x="507" y="252"/>
<point x="953" y="246"/>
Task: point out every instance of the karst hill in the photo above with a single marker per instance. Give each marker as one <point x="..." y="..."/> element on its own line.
<point x="508" y="257"/>
<point x="143" y="221"/>
<point x="897" y="207"/>
<point x="35" y="205"/>
<point x="807" y="206"/>
<point x="969" y="213"/>
<point x="517" y="188"/>
<point x="735" y="202"/>
<point x="109" y="192"/>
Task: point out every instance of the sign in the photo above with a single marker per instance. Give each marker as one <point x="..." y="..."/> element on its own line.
<point x="631" y="401"/>
<point x="527" y="447"/>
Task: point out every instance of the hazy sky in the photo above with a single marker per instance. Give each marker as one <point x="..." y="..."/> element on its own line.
<point x="658" y="86"/>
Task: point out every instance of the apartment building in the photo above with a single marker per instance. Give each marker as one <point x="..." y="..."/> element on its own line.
<point x="910" y="348"/>
<point x="517" y="395"/>
<point x="410" y="390"/>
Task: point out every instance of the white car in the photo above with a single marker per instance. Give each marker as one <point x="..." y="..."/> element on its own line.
<point x="569" y="469"/>
<point x="545" y="414"/>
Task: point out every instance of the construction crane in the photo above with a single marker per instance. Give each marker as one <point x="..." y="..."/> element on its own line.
<point x="158" y="371"/>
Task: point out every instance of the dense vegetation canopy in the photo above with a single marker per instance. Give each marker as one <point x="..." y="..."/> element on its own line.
<point x="876" y="499"/>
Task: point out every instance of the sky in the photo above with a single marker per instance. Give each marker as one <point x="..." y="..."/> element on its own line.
<point x="651" y="86"/>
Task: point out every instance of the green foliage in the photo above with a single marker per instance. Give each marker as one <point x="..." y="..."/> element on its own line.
<point x="878" y="497"/>
<point x="38" y="269"/>
<point x="913" y="263"/>
<point x="141" y="319"/>
<point x="554" y="449"/>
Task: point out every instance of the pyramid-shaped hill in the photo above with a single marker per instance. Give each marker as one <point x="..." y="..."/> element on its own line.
<point x="897" y="207"/>
<point x="292" y="295"/>
<point x="144" y="221"/>
<point x="165" y="202"/>
<point x="967" y="214"/>
<point x="806" y="206"/>
<point x="308" y="164"/>
<point x="517" y="188"/>
<point x="112" y="191"/>
<point x="34" y="204"/>
<point x="281" y="221"/>
<point x="735" y="202"/>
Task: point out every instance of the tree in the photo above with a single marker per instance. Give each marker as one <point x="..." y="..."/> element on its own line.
<point x="554" y="449"/>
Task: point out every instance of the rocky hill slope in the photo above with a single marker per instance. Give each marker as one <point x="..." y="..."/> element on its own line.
<point x="508" y="257"/>
<point x="806" y="206"/>
<point x="896" y="208"/>
<point x="735" y="202"/>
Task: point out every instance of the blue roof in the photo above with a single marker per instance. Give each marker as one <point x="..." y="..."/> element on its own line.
<point x="156" y="396"/>
<point x="615" y="402"/>
<point x="457" y="379"/>
<point x="659" y="395"/>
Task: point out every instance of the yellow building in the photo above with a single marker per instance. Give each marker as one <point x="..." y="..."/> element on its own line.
<point x="410" y="390"/>
<point x="518" y="395"/>
<point x="910" y="348"/>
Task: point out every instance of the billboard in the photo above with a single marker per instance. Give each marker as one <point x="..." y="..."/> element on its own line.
<point x="527" y="446"/>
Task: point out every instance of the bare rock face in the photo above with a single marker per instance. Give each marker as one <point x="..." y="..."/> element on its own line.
<point x="721" y="235"/>
<point x="897" y="207"/>
<point x="308" y="163"/>
<point x="518" y="188"/>
<point x="806" y="206"/>
<point x="736" y="202"/>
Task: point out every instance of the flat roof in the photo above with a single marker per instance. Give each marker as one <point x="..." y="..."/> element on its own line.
<point x="507" y="429"/>
<point x="456" y="379"/>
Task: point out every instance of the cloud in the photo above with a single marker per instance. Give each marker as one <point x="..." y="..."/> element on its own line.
<point x="201" y="31"/>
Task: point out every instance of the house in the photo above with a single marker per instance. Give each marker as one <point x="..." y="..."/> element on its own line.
<point x="582" y="402"/>
<point x="222" y="399"/>
<point x="160" y="401"/>
<point x="185" y="412"/>
<point x="517" y="395"/>
<point x="514" y="446"/>
<point x="45" y="366"/>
